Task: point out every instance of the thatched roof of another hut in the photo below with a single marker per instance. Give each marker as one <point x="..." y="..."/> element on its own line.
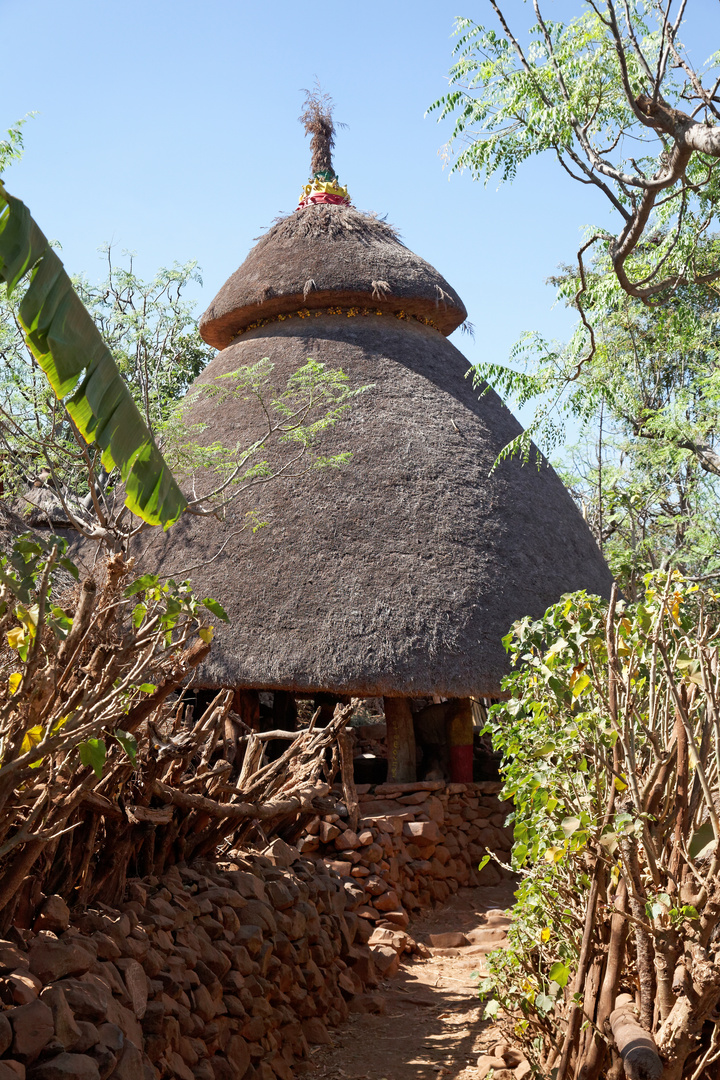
<point x="322" y="256"/>
<point x="41" y="508"/>
<point x="12" y="525"/>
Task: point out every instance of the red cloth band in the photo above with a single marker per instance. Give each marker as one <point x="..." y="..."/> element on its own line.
<point x="461" y="764"/>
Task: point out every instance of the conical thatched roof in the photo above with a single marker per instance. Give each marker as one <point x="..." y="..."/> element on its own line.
<point x="399" y="575"/>
<point x="40" y="507"/>
<point x="326" y="255"/>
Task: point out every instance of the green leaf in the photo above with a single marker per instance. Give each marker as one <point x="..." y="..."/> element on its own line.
<point x="217" y="609"/>
<point x="559" y="973"/>
<point x="702" y="841"/>
<point x="520" y="853"/>
<point x="492" y="1008"/>
<point x="70" y="566"/>
<point x="67" y="346"/>
<point x="483" y="862"/>
<point x="580" y="684"/>
<point x="21" y="242"/>
<point x="544" y="750"/>
<point x="27" y="547"/>
<point x="147" y="581"/>
<point x="147" y="687"/>
<point x="569" y="825"/>
<point x="544" y="1003"/>
<point x="128" y="741"/>
<point x="93" y="753"/>
<point x="557" y="647"/>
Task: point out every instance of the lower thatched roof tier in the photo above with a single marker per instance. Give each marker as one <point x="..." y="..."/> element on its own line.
<point x="325" y="255"/>
<point x="399" y="574"/>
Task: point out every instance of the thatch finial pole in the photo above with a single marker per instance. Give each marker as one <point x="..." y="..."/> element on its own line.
<point x="324" y="186"/>
<point x="318" y="123"/>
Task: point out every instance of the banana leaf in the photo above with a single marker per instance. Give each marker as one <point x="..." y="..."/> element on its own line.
<point x="70" y="350"/>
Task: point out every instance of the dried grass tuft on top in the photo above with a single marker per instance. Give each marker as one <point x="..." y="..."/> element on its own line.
<point x="317" y="120"/>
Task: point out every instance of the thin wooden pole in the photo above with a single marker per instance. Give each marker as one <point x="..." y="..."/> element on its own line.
<point x="400" y="741"/>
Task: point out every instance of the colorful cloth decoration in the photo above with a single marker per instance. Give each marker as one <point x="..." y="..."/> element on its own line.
<point x="324" y="188"/>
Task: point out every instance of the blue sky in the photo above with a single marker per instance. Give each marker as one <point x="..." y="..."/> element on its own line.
<point x="169" y="129"/>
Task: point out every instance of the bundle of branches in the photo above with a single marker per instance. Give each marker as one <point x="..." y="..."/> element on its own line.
<point x="275" y="797"/>
<point x="104" y="768"/>
<point x="612" y="756"/>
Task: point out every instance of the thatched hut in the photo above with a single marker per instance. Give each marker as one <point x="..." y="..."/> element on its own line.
<point x="399" y="575"/>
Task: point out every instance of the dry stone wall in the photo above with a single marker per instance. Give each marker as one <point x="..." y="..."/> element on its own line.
<point x="414" y="845"/>
<point x="231" y="971"/>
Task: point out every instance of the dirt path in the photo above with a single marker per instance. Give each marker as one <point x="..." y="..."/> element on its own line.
<point x="431" y="1020"/>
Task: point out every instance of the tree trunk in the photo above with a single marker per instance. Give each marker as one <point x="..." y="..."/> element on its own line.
<point x="400" y="741"/>
<point x="595" y="1057"/>
<point x="346" y="741"/>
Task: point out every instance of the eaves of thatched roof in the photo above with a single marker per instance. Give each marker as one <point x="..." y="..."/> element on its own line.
<point x="321" y="256"/>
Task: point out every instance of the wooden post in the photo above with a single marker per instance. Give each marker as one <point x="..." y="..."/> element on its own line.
<point x="284" y="711"/>
<point x="460" y="739"/>
<point x="346" y="742"/>
<point x="400" y="741"/>
<point x="246" y="703"/>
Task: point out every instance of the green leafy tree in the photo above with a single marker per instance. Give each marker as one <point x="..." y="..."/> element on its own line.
<point x="648" y="506"/>
<point x="611" y="751"/>
<point x="151" y="330"/>
<point x="646" y="469"/>
<point x="11" y="148"/>
<point x="79" y="367"/>
<point x="614" y="97"/>
<point x="290" y="422"/>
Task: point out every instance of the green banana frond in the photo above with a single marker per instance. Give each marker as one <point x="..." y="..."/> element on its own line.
<point x="70" y="350"/>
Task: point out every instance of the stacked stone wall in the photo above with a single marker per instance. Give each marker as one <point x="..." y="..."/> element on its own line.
<point x="231" y="971"/>
<point x="414" y="844"/>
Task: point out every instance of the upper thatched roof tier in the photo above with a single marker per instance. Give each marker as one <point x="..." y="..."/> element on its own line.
<point x="399" y="574"/>
<point x="323" y="256"/>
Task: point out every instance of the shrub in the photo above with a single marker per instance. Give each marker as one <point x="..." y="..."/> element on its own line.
<point x="611" y="741"/>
